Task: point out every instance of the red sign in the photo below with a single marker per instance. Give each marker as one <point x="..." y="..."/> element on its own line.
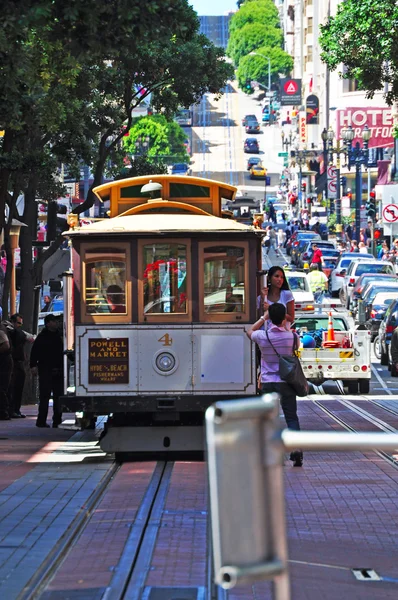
<point x="390" y="213"/>
<point x="290" y="87"/>
<point x="379" y="120"/>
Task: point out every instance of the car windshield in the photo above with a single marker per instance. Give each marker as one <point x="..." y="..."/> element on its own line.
<point x="373" y="268"/>
<point x="298" y="283"/>
<point x="373" y="289"/>
<point x="309" y="323"/>
<point x="381" y="277"/>
<point x="384" y="299"/>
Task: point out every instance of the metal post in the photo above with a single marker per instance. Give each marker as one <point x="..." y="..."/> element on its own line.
<point x="300" y="193"/>
<point x="358" y="198"/>
<point x="265" y="192"/>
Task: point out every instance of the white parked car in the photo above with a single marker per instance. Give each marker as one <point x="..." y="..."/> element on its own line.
<point x="358" y="268"/>
<point x="338" y="273"/>
<point x="300" y="288"/>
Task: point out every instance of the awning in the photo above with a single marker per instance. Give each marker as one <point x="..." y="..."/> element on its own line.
<point x="56" y="265"/>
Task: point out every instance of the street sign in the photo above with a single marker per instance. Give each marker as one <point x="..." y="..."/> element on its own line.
<point x="390" y="213"/>
<point x="302" y="127"/>
<point x="283" y="154"/>
<point x="290" y="92"/>
<point x="332" y="181"/>
<point x="267" y="180"/>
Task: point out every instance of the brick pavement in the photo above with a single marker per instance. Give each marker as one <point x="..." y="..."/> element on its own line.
<point x="19" y="440"/>
<point x="40" y="500"/>
<point x="341" y="514"/>
<point x="88" y="569"/>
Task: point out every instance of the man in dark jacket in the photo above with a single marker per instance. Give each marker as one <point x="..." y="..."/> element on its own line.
<point x="18" y="337"/>
<point x="47" y="358"/>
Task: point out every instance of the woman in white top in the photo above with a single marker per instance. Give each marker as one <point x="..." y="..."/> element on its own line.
<point x="279" y="291"/>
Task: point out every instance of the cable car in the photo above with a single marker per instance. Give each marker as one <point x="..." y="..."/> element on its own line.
<point x="156" y="307"/>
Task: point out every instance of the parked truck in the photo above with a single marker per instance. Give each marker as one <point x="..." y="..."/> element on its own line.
<point x="349" y="361"/>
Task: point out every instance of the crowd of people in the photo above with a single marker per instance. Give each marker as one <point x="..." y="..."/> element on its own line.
<point x="46" y="361"/>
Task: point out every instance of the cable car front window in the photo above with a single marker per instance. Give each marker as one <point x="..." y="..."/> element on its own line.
<point x="105" y="283"/>
<point x="224" y="279"/>
<point x="165" y="278"/>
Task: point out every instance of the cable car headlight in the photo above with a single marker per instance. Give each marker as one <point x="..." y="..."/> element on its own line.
<point x="165" y="363"/>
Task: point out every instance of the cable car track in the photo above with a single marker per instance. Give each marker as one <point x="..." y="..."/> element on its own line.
<point x="38" y="583"/>
<point x="131" y="570"/>
<point x="365" y="415"/>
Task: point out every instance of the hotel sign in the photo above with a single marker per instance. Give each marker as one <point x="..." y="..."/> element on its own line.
<point x="108" y="360"/>
<point x="379" y="120"/>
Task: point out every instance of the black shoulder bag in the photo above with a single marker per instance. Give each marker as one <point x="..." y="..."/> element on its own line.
<point x="290" y="369"/>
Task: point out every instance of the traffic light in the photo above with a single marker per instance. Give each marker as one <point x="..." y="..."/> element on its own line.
<point x="56" y="224"/>
<point x="344" y="184"/>
<point x="303" y="187"/>
<point x="248" y="84"/>
<point x="371" y="206"/>
<point x="378" y="233"/>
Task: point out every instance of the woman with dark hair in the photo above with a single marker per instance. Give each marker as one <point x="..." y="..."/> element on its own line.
<point x="279" y="291"/>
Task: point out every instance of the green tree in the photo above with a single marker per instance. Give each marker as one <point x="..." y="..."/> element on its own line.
<point x="143" y="165"/>
<point x="255" y="11"/>
<point x="251" y="37"/>
<point x="255" y="67"/>
<point x="363" y="36"/>
<point x="162" y="139"/>
<point x="72" y="73"/>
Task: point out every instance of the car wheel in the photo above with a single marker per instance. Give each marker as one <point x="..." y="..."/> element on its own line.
<point x="364" y="386"/>
<point x="352" y="387"/>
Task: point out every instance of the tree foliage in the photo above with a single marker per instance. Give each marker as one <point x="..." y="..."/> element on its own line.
<point x="251" y="37"/>
<point x="364" y="37"/>
<point x="256" y="28"/>
<point x="72" y="72"/>
<point x="255" y="67"/>
<point x="155" y="137"/>
<point x="255" y="11"/>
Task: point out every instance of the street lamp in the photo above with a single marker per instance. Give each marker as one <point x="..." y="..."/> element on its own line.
<point x="357" y="156"/>
<point x="14" y="239"/>
<point x="338" y="150"/>
<point x="325" y="138"/>
<point x="301" y="160"/>
<point x="142" y="144"/>
<point x="286" y="140"/>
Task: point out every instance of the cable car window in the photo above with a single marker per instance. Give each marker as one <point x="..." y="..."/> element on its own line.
<point x="165" y="278"/>
<point x="224" y="279"/>
<point x="105" y="283"/>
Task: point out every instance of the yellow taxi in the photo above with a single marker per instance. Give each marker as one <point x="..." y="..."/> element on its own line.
<point x="258" y="172"/>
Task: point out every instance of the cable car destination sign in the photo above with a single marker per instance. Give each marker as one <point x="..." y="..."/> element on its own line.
<point x="108" y="360"/>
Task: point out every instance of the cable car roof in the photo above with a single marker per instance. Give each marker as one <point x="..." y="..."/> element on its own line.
<point x="160" y="223"/>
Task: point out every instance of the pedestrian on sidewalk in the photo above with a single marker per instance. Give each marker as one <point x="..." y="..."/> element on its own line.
<point x="5" y="372"/>
<point x="47" y="359"/>
<point x="18" y="339"/>
<point x="278" y="337"/>
<point x="281" y="239"/>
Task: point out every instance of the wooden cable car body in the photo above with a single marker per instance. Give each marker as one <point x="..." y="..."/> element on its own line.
<point x="156" y="309"/>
